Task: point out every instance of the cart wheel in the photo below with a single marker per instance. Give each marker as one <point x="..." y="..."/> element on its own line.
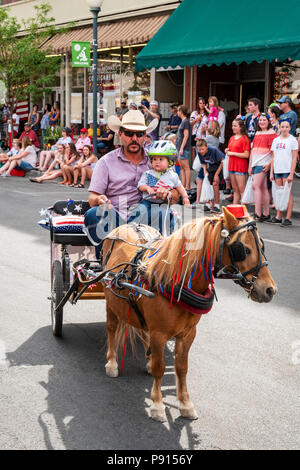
<point x="56" y="296"/>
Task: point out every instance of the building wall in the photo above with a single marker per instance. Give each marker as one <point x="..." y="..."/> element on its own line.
<point x="77" y="10"/>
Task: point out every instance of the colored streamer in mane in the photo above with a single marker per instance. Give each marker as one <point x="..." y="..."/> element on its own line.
<point x="184" y="253"/>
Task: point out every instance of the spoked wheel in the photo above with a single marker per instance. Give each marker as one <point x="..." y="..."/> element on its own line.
<point x="57" y="294"/>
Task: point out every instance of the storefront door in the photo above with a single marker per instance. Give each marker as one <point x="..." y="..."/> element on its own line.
<point x="251" y="89"/>
<point x="228" y="96"/>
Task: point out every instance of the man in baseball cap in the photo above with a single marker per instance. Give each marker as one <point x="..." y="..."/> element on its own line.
<point x="82" y="140"/>
<point x="286" y="103"/>
<point x="28" y="132"/>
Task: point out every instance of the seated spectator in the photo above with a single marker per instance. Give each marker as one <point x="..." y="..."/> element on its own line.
<point x="84" y="167"/>
<point x="71" y="158"/>
<point x="106" y="140"/>
<point x="91" y="131"/>
<point x="174" y="121"/>
<point x="55" y="169"/>
<point x="28" y="132"/>
<point x="82" y="140"/>
<point x="24" y="160"/>
<point x="46" y="155"/>
<point x="16" y="147"/>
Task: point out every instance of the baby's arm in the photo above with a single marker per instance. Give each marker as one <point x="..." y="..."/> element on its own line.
<point x="144" y="188"/>
<point x="183" y="194"/>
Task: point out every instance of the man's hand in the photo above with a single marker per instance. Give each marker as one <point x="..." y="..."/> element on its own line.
<point x="101" y="200"/>
<point x="163" y="194"/>
<point x="98" y="199"/>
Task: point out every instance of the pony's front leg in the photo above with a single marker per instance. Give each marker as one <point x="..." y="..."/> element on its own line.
<point x="111" y="327"/>
<point x="183" y="344"/>
<point x="157" y="345"/>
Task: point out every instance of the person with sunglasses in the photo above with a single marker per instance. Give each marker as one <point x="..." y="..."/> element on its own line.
<point x="114" y="195"/>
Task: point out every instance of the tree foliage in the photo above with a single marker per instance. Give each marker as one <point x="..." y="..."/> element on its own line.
<point x="25" y="67"/>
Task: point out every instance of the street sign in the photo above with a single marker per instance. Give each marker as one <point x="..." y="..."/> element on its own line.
<point x="81" y="54"/>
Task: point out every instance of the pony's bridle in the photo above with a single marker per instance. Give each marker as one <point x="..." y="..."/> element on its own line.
<point x="238" y="253"/>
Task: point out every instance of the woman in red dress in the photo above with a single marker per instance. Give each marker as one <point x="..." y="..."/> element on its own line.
<point x="238" y="151"/>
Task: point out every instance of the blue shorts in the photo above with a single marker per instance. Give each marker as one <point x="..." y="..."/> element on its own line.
<point x="281" y="175"/>
<point x="177" y="169"/>
<point x="24" y="166"/>
<point x="186" y="155"/>
<point x="238" y="173"/>
<point x="257" y="169"/>
<point x="201" y="174"/>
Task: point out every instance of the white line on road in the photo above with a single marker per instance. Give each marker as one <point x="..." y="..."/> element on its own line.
<point x="289" y="245"/>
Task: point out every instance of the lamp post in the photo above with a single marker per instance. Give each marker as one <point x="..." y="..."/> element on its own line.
<point x="95" y="7"/>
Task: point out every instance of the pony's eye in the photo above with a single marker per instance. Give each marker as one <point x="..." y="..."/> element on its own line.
<point x="247" y="251"/>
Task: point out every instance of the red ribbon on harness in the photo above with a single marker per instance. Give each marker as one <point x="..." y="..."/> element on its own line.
<point x="125" y="341"/>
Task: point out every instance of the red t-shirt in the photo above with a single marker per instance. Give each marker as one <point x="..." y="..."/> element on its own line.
<point x="239" y="145"/>
<point x="32" y="136"/>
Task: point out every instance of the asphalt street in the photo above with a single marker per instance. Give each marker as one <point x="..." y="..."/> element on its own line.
<point x="244" y="365"/>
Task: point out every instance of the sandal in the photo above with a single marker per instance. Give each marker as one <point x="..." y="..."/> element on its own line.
<point x="34" y="180"/>
<point x="79" y="185"/>
<point x="62" y="182"/>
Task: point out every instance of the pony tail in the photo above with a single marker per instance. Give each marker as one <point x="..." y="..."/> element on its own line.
<point x="125" y="330"/>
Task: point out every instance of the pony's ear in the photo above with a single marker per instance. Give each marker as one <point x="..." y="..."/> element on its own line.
<point x="230" y="220"/>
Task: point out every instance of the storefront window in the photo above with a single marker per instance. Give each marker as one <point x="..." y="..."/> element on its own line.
<point x="117" y="80"/>
<point x="287" y="81"/>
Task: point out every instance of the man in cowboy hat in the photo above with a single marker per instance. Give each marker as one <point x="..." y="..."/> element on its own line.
<point x="114" y="195"/>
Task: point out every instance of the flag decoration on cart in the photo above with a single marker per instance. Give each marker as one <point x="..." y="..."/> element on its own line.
<point x="68" y="224"/>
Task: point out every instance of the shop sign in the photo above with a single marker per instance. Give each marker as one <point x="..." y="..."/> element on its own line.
<point x="81" y="54"/>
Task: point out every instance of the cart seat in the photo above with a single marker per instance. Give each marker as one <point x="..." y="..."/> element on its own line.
<point x="68" y="234"/>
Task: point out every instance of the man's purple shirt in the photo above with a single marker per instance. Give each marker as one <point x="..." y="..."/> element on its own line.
<point x="118" y="178"/>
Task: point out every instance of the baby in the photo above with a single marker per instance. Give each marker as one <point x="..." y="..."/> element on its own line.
<point x="163" y="155"/>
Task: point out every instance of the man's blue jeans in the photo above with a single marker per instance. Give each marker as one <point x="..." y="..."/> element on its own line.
<point x="100" y="222"/>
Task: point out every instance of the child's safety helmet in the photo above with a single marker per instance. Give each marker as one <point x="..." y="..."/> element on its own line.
<point x="164" y="148"/>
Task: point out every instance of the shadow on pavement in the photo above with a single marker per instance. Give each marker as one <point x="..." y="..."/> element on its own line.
<point x="86" y="409"/>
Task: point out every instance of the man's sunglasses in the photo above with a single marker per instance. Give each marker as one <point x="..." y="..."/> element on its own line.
<point x="132" y="133"/>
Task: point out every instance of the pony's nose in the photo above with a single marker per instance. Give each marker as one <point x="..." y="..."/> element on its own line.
<point x="270" y="292"/>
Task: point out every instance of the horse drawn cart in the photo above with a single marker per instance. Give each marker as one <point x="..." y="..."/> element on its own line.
<point x="155" y="287"/>
<point x="75" y="273"/>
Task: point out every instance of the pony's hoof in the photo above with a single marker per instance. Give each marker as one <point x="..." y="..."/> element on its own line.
<point x="149" y="368"/>
<point x="188" y="413"/>
<point x="158" y="414"/>
<point x="111" y="372"/>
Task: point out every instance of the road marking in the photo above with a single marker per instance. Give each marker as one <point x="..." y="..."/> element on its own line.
<point x="289" y="245"/>
<point x="24" y="193"/>
<point x="3" y="359"/>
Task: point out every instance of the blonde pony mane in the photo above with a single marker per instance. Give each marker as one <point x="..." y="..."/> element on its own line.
<point x="184" y="252"/>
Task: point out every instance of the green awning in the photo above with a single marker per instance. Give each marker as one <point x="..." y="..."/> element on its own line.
<point x="215" y="32"/>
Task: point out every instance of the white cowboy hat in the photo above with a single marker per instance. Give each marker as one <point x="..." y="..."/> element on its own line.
<point x="132" y="120"/>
